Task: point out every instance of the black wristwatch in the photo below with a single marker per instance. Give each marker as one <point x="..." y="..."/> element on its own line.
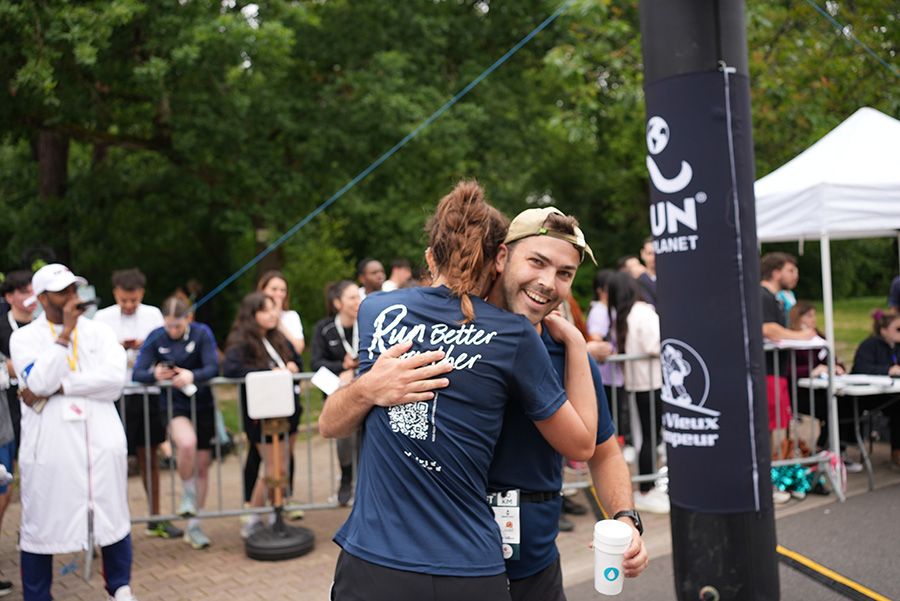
<point x="635" y="517"/>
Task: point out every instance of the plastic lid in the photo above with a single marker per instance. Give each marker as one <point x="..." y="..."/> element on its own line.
<point x="613" y="532"/>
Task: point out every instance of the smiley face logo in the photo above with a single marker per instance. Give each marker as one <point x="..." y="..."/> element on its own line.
<point x="610" y="574"/>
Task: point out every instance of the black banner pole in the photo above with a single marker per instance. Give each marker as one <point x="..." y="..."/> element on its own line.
<point x="715" y="424"/>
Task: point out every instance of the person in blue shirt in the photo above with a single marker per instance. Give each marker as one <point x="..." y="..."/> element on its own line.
<point x="537" y="265"/>
<point x="420" y="528"/>
<point x="184" y="352"/>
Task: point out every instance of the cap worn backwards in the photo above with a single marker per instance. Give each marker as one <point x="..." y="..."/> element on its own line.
<point x="530" y="222"/>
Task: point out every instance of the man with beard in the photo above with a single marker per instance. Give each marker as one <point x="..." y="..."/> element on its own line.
<point x="537" y="265"/>
<point x="74" y="470"/>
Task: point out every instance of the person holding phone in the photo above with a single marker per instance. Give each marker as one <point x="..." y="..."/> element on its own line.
<point x="73" y="464"/>
<point x="184" y="352"/>
<point x="132" y="321"/>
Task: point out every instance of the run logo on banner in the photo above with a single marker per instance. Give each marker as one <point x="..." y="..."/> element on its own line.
<point x="667" y="217"/>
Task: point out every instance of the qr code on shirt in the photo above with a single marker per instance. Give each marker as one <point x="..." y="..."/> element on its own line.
<point x="411" y="419"/>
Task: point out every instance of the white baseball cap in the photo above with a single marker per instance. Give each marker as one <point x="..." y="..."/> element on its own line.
<point x="52" y="278"/>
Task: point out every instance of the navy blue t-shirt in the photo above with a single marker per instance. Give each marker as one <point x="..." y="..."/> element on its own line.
<point x="420" y="497"/>
<point x="524" y="460"/>
<point x="196" y="351"/>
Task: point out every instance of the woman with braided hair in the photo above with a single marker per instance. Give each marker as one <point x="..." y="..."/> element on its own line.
<point x="420" y="528"/>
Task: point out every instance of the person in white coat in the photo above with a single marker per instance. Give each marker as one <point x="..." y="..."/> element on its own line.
<point x="73" y="455"/>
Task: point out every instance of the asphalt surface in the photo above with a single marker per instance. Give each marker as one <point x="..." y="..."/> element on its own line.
<point x="859" y="539"/>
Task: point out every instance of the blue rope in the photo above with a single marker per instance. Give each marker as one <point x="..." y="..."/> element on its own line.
<point x="846" y="31"/>
<point x="384" y="157"/>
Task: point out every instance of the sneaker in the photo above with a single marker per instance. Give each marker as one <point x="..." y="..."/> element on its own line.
<point x="295" y="514"/>
<point x="565" y="525"/>
<point x="780" y="497"/>
<point x="570" y="506"/>
<point x="654" y="501"/>
<point x="195" y="538"/>
<point x="123" y="593"/>
<point x="662" y="483"/>
<point x="188" y="506"/>
<point x="852" y="467"/>
<point x="164" y="529"/>
<point x="250" y="526"/>
<point x="5" y="587"/>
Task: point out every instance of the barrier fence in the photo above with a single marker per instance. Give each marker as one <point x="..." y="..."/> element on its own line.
<point x="316" y="477"/>
<point x="786" y="435"/>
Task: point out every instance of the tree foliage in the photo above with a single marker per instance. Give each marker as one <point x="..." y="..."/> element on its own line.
<point x="182" y="136"/>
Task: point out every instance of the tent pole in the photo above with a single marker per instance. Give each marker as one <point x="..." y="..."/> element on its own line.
<point x="833" y="430"/>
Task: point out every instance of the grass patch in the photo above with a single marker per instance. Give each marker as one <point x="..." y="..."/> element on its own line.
<point x="852" y="323"/>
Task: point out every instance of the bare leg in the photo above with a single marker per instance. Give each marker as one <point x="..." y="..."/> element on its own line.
<point x="185" y="440"/>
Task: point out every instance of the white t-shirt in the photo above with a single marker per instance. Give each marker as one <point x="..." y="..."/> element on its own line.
<point x="388" y="286"/>
<point x="136" y="326"/>
<point x="291" y="321"/>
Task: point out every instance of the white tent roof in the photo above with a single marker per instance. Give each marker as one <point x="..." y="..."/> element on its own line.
<point x="846" y="185"/>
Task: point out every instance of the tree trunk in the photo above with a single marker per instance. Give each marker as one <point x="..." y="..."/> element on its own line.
<point x="53" y="179"/>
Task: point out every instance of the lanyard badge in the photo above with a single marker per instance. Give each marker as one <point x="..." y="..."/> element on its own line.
<point x="506" y="514"/>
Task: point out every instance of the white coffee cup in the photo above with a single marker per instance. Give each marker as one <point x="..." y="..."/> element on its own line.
<point x="611" y="540"/>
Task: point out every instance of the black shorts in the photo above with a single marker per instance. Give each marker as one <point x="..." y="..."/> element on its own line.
<point x="359" y="580"/>
<point x="546" y="585"/>
<point x="205" y="426"/>
<point x="134" y="421"/>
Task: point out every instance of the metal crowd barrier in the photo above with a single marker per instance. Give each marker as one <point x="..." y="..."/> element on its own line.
<point x="822" y="459"/>
<point x="618" y="362"/>
<point x="313" y="496"/>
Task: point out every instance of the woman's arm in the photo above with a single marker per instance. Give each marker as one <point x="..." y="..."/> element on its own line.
<point x="866" y="360"/>
<point x="143" y="365"/>
<point x="209" y="360"/>
<point x="233" y="366"/>
<point x="572" y="430"/>
<point x="292" y="328"/>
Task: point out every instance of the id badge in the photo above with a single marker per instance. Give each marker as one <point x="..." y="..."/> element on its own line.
<point x="506" y="514"/>
<point x="75" y="411"/>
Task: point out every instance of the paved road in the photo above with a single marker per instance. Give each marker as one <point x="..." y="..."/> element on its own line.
<point x="859" y="539"/>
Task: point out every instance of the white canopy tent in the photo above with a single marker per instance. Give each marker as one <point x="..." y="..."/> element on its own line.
<point x="846" y="185"/>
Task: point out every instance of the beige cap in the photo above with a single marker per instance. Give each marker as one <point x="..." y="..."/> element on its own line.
<point x="530" y="222"/>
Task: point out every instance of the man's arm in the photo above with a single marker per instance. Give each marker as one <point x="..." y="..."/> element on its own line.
<point x="392" y="380"/>
<point x="775" y="331"/>
<point x="104" y="382"/>
<point x="612" y="481"/>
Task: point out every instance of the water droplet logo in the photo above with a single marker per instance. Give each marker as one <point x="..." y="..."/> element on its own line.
<point x="610" y="574"/>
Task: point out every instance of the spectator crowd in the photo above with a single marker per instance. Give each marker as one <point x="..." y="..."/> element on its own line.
<point x="50" y="349"/>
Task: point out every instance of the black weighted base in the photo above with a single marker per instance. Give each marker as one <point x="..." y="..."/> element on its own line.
<point x="279" y="541"/>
